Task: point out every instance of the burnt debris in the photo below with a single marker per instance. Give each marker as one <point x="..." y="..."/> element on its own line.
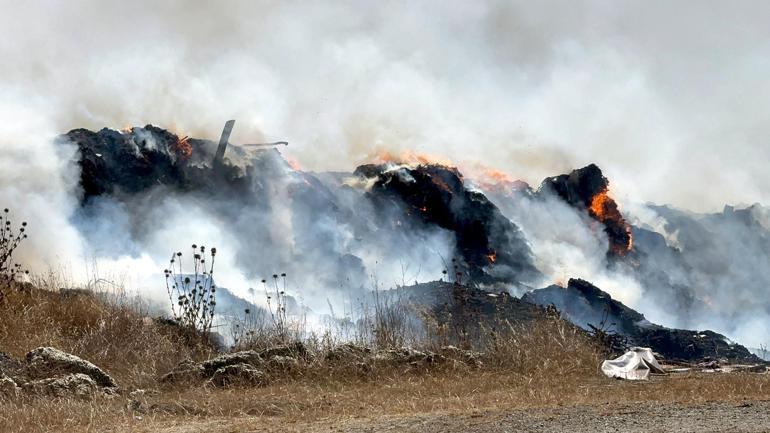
<point x="138" y="159"/>
<point x="452" y="302"/>
<point x="593" y="309"/>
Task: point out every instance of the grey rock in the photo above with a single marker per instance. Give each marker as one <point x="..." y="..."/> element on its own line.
<point x="294" y="350"/>
<point x="283" y="364"/>
<point x="10" y="366"/>
<point x="348" y="352"/>
<point x="8" y="388"/>
<point x="238" y="375"/>
<point x="407" y="356"/>
<point x="249" y="357"/>
<point x="185" y="372"/>
<point x="72" y="385"/>
<point x="47" y="362"/>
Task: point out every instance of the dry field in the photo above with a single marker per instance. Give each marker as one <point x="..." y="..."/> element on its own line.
<point x="532" y="377"/>
<point x="357" y="405"/>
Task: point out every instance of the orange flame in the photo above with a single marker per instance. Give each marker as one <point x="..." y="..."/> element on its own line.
<point x="411" y="157"/>
<point x="492" y="179"/>
<point x="492" y="256"/>
<point x="605" y="210"/>
<point x="183" y="148"/>
<point x="497" y="176"/>
<point x="601" y="206"/>
<point x="293" y="163"/>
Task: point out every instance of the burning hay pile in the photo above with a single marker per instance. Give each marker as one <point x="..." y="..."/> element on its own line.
<point x="492" y="248"/>
<point x="587" y="189"/>
<point x="333" y="230"/>
<point x="135" y="160"/>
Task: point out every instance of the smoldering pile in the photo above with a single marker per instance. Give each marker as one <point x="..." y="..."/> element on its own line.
<point x="135" y="160"/>
<point x="593" y="309"/>
<point x="492" y="248"/>
<point x="403" y="206"/>
<point x="335" y="231"/>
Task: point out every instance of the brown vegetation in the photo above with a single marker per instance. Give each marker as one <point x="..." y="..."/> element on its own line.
<point x="546" y="364"/>
<point x="134" y="348"/>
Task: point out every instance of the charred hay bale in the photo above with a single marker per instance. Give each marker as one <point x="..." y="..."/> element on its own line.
<point x="47" y="362"/>
<point x="249" y="357"/>
<point x="185" y="372"/>
<point x="238" y="375"/>
<point x="586" y="189"/>
<point x="579" y="187"/>
<point x="72" y="385"/>
<point x="492" y="247"/>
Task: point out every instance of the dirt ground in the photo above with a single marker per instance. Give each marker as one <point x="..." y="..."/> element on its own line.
<point x="647" y="417"/>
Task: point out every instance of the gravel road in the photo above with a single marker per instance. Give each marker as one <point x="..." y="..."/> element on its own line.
<point x="643" y="417"/>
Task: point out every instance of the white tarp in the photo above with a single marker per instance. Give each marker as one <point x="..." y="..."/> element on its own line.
<point x="636" y="364"/>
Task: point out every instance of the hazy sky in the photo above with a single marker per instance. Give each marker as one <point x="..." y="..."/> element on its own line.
<point x="671" y="99"/>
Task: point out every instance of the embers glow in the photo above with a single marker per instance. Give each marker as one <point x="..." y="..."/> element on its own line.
<point x="293" y="163"/>
<point x="492" y="257"/>
<point x="183" y="148"/>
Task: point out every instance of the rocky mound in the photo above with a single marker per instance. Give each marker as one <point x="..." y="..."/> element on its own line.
<point x="47" y="371"/>
<point x="250" y="368"/>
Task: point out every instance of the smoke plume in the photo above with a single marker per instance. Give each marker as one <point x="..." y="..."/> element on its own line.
<point x="670" y="100"/>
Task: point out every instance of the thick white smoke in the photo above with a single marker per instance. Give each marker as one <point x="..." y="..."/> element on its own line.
<point x="38" y="181"/>
<point x="669" y="99"/>
<point x="321" y="231"/>
<point x="647" y="90"/>
<point x="567" y="243"/>
<point x="721" y="260"/>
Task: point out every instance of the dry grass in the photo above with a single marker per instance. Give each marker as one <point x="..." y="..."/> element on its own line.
<point x="301" y="402"/>
<point x="133" y="349"/>
<point x="546" y="364"/>
<point x="397" y="395"/>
